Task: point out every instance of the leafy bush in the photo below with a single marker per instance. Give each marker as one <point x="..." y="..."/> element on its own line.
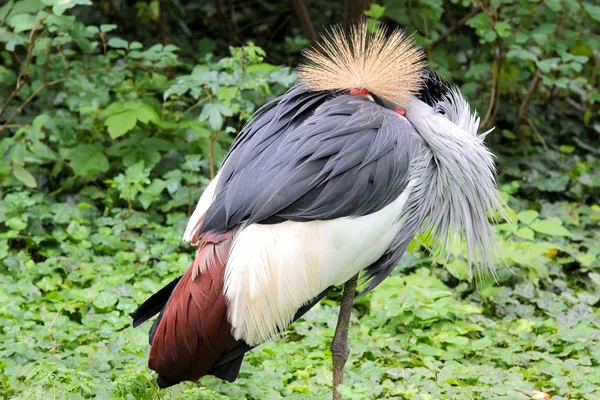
<point x="107" y="143"/>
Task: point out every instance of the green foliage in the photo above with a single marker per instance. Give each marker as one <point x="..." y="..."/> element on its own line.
<point x="107" y="140"/>
<point x="515" y="58"/>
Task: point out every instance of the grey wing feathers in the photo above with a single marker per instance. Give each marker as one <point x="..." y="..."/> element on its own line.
<point x="313" y="157"/>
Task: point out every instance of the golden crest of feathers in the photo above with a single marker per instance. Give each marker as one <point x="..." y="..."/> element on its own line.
<point x="390" y="67"/>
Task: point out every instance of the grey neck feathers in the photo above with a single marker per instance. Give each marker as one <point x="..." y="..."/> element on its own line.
<point x="456" y="180"/>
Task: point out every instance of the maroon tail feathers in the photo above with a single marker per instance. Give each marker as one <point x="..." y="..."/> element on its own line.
<point x="193" y="331"/>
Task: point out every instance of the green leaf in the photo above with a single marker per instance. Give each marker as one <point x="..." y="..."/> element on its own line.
<point x="554" y="5"/>
<point x="118" y="43"/>
<point x="503" y="29"/>
<point x="16" y="223"/>
<point x="520" y="53"/>
<point x="87" y="159"/>
<point x="593" y="10"/>
<point x="375" y="11"/>
<point x="146" y="114"/>
<point x="527" y="216"/>
<point x="587" y="117"/>
<point x="223" y="109"/>
<point x="105" y="300"/>
<point x="60" y="6"/>
<point x="526" y="233"/>
<point x="550" y="227"/>
<point x="548" y="64"/>
<point x="566" y="149"/>
<point x="22" y="22"/>
<point x="77" y="231"/>
<point x="24" y="176"/>
<point x="586" y="260"/>
<point x="5" y="9"/>
<point x="459" y="269"/>
<point x="3" y="248"/>
<point x="211" y="112"/>
<point x="121" y="123"/>
<point x="17" y="153"/>
<point x="107" y="27"/>
<point x="226" y="94"/>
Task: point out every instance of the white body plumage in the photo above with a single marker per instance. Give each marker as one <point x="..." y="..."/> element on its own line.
<point x="272" y="270"/>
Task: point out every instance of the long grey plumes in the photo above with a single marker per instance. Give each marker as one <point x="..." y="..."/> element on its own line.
<point x="457" y="179"/>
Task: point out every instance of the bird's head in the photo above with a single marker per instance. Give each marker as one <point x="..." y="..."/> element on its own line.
<point x="387" y="68"/>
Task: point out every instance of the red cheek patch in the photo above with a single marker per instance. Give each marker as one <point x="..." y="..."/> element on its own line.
<point x="400" y="111"/>
<point x="359" y="92"/>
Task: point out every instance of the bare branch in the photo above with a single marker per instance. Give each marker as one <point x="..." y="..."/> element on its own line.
<point x="307" y="26"/>
<point x="526" y="100"/>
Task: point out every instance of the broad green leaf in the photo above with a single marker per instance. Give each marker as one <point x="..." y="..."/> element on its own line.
<point x="223" y="109"/>
<point x="17" y="154"/>
<point x="41" y="120"/>
<point x="212" y="112"/>
<point x="593" y="10"/>
<point x="77" y="231"/>
<point x="22" y="22"/>
<point x="548" y="64"/>
<point x="16" y="223"/>
<point x="540" y="38"/>
<point x="118" y="43"/>
<point x="262" y="67"/>
<point x="503" y="29"/>
<point x="550" y="227"/>
<point x="5" y="9"/>
<point x="3" y="248"/>
<point x="520" y="53"/>
<point x="375" y="11"/>
<point x="121" y="123"/>
<point x="226" y="93"/>
<point x="24" y="176"/>
<point x="554" y="5"/>
<point x="105" y="300"/>
<point x="586" y="260"/>
<point x="526" y="233"/>
<point x="459" y="269"/>
<point x="528" y="216"/>
<point x="88" y="159"/>
<point x="146" y="114"/>
<point x="60" y="6"/>
<point x="107" y="27"/>
<point x="26" y="6"/>
<point x="567" y="149"/>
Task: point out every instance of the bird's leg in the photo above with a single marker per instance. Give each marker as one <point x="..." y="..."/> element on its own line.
<point x="339" y="344"/>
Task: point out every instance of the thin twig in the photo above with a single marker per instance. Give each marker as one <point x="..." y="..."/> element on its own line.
<point x="64" y="58"/>
<point x="459" y="24"/>
<point x="103" y="38"/>
<point x="19" y="109"/>
<point x="211" y="155"/>
<point x="307" y="26"/>
<point x="196" y="105"/>
<point x="7" y="123"/>
<point x="537" y="134"/>
<point x="24" y="72"/>
<point x="526" y="100"/>
<point x="496" y="72"/>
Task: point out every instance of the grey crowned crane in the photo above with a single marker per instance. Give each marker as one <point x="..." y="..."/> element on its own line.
<point x="331" y="179"/>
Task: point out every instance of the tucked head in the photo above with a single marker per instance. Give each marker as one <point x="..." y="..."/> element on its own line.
<point x="387" y="67"/>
